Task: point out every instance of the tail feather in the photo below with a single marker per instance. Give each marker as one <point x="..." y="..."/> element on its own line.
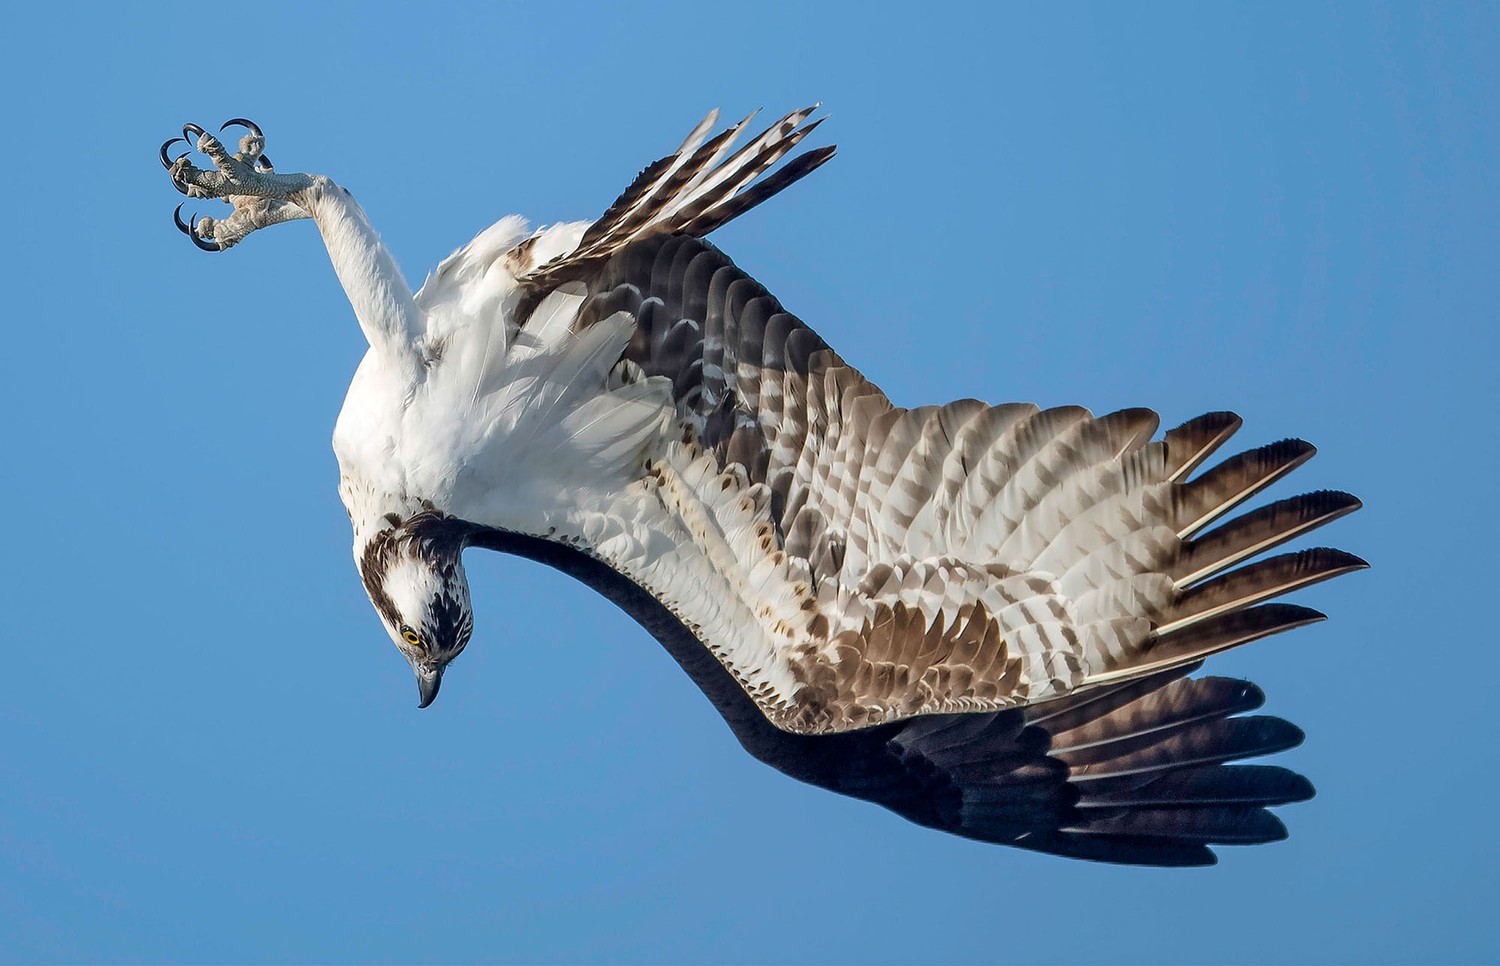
<point x="731" y="208"/>
<point x="759" y="154"/>
<point x="696" y="190"/>
<point x="658" y="185"/>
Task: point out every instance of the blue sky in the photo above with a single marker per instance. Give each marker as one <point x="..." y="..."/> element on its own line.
<point x="210" y="751"/>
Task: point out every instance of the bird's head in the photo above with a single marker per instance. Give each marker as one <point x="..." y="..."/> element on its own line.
<point x="413" y="571"/>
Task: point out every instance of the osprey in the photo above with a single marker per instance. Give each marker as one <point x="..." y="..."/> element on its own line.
<point x="983" y="617"/>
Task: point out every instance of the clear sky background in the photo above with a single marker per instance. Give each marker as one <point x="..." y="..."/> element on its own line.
<point x="210" y="751"/>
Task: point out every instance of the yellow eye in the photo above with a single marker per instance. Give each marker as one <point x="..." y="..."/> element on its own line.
<point x="411" y="636"/>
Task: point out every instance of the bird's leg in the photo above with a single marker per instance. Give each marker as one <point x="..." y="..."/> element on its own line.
<point x="377" y="291"/>
<point x="246" y="180"/>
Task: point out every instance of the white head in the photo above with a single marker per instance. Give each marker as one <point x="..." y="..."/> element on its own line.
<point x="413" y="571"/>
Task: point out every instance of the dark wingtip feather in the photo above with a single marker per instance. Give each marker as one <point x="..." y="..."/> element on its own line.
<point x="1135" y="775"/>
<point x="1197" y="439"/>
<point x="1300" y="789"/>
<point x="1259" y="785"/>
<point x="1271" y="734"/>
<point x="1239" y="589"/>
<point x="1218" y="490"/>
<point x="1258" y="531"/>
<point x="1227" y="825"/>
<point x="1182" y="705"/>
<point x="1121" y="849"/>
<point x="1231" y="630"/>
<point x="1350" y="562"/>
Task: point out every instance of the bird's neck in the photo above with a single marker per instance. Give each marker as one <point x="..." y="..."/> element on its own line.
<point x="372" y="511"/>
<point x="373" y="282"/>
<point x="376" y="516"/>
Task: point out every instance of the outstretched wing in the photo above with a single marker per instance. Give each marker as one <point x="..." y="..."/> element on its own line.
<point x="949" y="558"/>
<point x="986" y="615"/>
<point x="851" y="562"/>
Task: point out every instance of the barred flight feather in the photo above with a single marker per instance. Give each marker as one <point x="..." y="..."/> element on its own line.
<point x="859" y="488"/>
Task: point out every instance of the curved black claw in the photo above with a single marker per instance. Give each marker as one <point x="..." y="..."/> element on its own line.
<point x="191" y="230"/>
<point x="191" y="133"/>
<point x="167" y="162"/>
<point x="250" y="126"/>
<point x="262" y="163"/>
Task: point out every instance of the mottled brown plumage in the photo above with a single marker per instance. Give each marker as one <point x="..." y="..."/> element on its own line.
<point x="946" y="549"/>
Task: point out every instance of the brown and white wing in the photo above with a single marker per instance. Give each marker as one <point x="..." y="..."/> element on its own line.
<point x="952" y="558"/>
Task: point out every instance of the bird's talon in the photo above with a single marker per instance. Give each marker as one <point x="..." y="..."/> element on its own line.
<point x="196" y="229"/>
<point x="234" y="182"/>
<point x="250" y="126"/>
<point x="178" y="170"/>
<point x="166" y="161"/>
<point x="175" y="167"/>
<point x="251" y="144"/>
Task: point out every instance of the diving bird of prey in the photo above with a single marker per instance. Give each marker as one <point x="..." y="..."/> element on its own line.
<point x="985" y="618"/>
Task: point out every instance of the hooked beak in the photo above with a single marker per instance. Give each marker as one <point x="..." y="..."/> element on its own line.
<point x="428" y="680"/>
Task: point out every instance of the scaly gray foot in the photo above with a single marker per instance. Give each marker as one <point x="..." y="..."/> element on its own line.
<point x="246" y="180"/>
